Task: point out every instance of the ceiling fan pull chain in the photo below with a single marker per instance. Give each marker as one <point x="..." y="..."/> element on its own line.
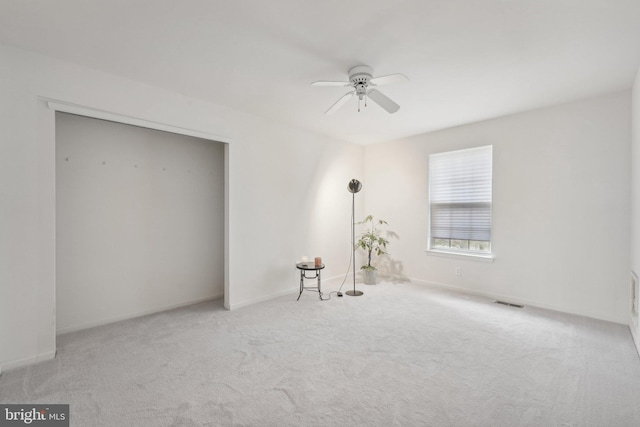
<point x="358" y="104"/>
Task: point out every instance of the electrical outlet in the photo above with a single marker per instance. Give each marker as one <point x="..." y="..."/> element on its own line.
<point x="458" y="271"/>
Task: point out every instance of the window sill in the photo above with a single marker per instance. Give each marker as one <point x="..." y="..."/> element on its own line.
<point x="460" y="255"/>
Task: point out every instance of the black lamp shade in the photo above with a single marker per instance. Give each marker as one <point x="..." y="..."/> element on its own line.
<point x="354" y="186"/>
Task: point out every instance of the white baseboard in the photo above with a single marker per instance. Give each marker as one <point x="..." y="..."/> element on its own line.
<point x="522" y="301"/>
<point x="290" y="291"/>
<point x="268" y="297"/>
<point x="106" y="321"/>
<point x="27" y="361"/>
<point x="635" y="334"/>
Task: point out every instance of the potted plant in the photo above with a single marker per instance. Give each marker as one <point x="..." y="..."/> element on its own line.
<point x="371" y="242"/>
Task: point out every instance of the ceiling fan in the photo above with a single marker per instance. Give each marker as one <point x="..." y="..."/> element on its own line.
<point x="362" y="82"/>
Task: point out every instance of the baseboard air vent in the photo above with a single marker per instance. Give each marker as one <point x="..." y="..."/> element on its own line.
<point x="509" y="304"/>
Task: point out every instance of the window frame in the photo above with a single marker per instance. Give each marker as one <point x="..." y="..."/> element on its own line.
<point x="486" y="256"/>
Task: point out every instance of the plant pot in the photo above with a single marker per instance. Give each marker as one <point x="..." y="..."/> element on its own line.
<point x="369" y="276"/>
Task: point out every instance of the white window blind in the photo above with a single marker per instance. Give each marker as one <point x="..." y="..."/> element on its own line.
<point x="460" y="198"/>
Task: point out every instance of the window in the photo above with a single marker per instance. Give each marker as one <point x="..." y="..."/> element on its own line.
<point x="460" y="201"/>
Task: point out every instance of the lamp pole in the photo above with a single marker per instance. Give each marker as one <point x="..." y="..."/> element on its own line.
<point x="354" y="187"/>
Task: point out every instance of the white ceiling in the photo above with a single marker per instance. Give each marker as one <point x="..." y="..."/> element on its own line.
<point x="467" y="60"/>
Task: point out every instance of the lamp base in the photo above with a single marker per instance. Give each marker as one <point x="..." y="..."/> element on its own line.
<point x="354" y="293"/>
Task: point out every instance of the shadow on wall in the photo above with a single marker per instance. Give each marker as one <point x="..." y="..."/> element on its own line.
<point x="392" y="270"/>
<point x="389" y="268"/>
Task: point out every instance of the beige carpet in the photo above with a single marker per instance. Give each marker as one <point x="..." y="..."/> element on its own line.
<point x="401" y="355"/>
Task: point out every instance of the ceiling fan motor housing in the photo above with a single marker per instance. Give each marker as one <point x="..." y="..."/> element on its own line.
<point x="359" y="77"/>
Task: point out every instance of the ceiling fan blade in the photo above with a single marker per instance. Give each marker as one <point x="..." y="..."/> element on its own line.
<point x="383" y="101"/>
<point x="387" y="80"/>
<point x="340" y="102"/>
<point x="327" y="83"/>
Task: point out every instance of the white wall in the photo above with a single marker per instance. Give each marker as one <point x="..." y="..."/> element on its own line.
<point x="561" y="208"/>
<point x="287" y="197"/>
<point x="635" y="196"/>
<point x="286" y="191"/>
<point x="139" y="221"/>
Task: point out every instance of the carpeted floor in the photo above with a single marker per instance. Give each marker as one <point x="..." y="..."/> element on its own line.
<point x="401" y="355"/>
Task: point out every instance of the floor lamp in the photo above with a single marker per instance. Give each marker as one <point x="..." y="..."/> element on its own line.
<point x="353" y="187"/>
